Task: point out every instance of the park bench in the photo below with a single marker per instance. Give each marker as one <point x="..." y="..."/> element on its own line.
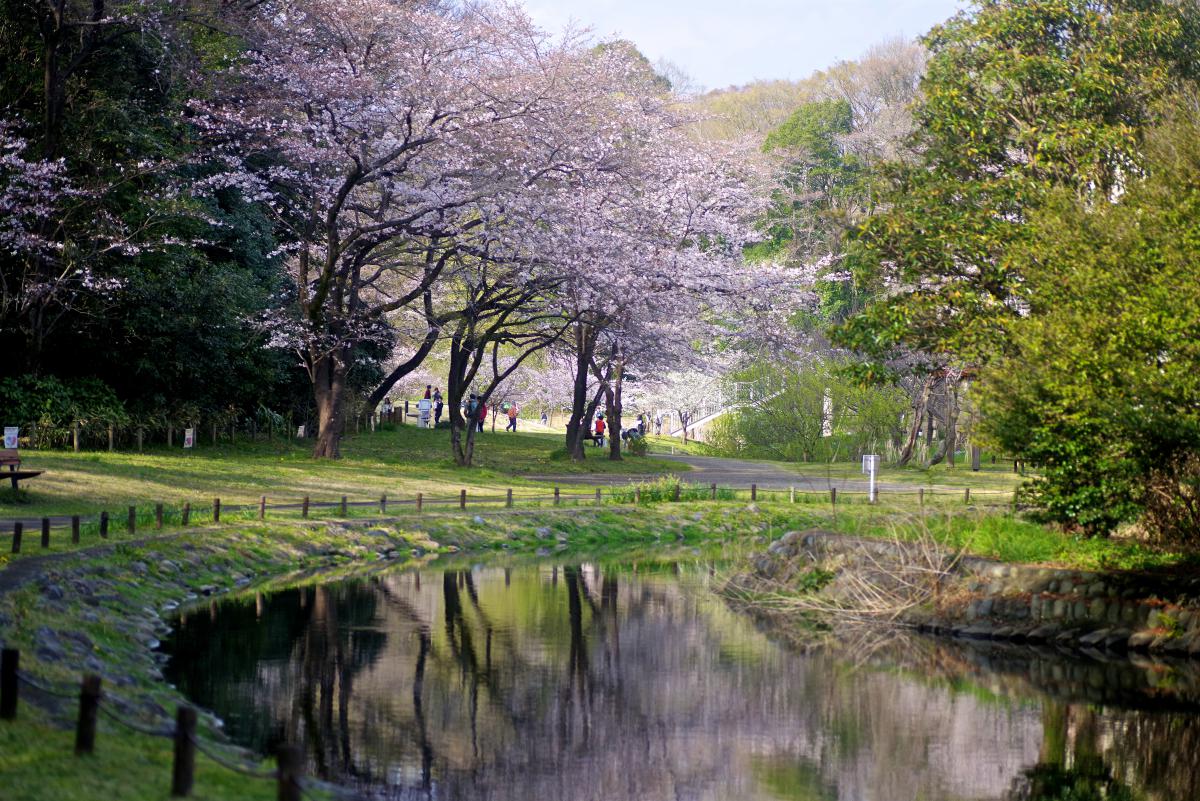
<point x="10" y="458"/>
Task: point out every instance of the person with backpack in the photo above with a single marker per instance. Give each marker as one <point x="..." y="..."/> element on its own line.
<point x="437" y="406"/>
<point x="599" y="438"/>
<point x="512" y="418"/>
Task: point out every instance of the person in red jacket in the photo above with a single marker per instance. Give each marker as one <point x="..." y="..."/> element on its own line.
<point x="599" y="438"/>
<point x="483" y="410"/>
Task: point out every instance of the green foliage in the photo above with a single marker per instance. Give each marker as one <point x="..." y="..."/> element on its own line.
<point x="789" y="424"/>
<point x="636" y="445"/>
<point x="1100" y="389"/>
<point x="46" y="407"/>
<point x="1020" y="97"/>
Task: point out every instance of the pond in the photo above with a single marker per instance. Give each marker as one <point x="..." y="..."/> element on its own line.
<point x="585" y="681"/>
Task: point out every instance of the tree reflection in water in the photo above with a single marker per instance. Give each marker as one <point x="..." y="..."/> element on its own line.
<point x="579" y="682"/>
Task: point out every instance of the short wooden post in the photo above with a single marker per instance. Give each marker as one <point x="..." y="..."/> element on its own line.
<point x="170" y="436"/>
<point x="556" y="496"/>
<point x="383" y="504"/>
<point x="187" y="513"/>
<point x="598" y="500"/>
<point x="158" y="515"/>
<point x="792" y="495"/>
<point x="216" y="510"/>
<point x="45" y="532"/>
<point x="508" y="499"/>
<point x="976" y="458"/>
<point x="637" y="495"/>
<point x="75" y="436"/>
<point x="675" y="492"/>
<point x="712" y="491"/>
<point x="405" y="420"/>
<point x="74" y="529"/>
<point x="754" y="492"/>
<point x="262" y="507"/>
<point x="183" y="770"/>
<point x="110" y="438"/>
<point x="420" y="499"/>
<point x="967" y="495"/>
<point x="291" y="772"/>
<point x="214" y="433"/>
<point x="104" y="525"/>
<point x="342" y="508"/>
<point x="9" y="686"/>
<point x="921" y="497"/>
<point x="18" y="530"/>
<point x="89" y="703"/>
<point x="833" y="496"/>
<point x="304" y="507"/>
<point x="141" y="435"/>
<point x="132" y="524"/>
<point x="462" y="499"/>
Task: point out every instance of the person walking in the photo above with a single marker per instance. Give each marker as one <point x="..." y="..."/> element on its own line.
<point x="641" y="426"/>
<point x="483" y="411"/>
<point x="424" y="408"/>
<point x="545" y="418"/>
<point x="471" y="410"/>
<point x="599" y="438"/>
<point x="658" y="424"/>
<point x="512" y="418"/>
<point x="437" y="407"/>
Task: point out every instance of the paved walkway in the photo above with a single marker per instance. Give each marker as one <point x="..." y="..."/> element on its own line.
<point x="736" y="473"/>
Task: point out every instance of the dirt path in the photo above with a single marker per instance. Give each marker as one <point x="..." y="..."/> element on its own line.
<point x="736" y="473"/>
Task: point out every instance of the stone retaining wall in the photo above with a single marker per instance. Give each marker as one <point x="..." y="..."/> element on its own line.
<point x="986" y="599"/>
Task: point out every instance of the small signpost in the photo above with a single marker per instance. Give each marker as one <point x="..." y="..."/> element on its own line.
<point x="189" y="438"/>
<point x="870" y="465"/>
<point x="300" y="432"/>
<point x="11" y="435"/>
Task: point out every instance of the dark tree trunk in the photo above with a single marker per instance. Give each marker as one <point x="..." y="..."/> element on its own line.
<point x="920" y="404"/>
<point x="578" y="425"/>
<point x="329" y="393"/>
<point x="613" y="396"/>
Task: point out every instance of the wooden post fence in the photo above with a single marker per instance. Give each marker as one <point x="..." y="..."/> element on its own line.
<point x="132" y="524"/>
<point x="508" y="499"/>
<point x="104" y="525"/>
<point x="89" y="703"/>
<point x="262" y="507"/>
<point x="420" y="499"/>
<point x="183" y="769"/>
<point x="304" y="507"/>
<point x="291" y="773"/>
<point x="343" y="507"/>
<point x="158" y="515"/>
<point x="792" y="495"/>
<point x="712" y="490"/>
<point x="187" y="512"/>
<point x="598" y="501"/>
<point x="383" y="504"/>
<point x="754" y="492"/>
<point x="45" y="532"/>
<point x="462" y="499"/>
<point x="556" y="496"/>
<point x="675" y="493"/>
<point x="74" y="529"/>
<point x="967" y="495"/>
<point x="18" y="530"/>
<point x="216" y="510"/>
<point x="9" y="660"/>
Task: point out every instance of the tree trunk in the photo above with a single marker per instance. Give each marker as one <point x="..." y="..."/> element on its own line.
<point x="578" y="423"/>
<point x="613" y="396"/>
<point x="329" y="392"/>
<point x="946" y="451"/>
<point x="456" y="388"/>
<point x="920" y="404"/>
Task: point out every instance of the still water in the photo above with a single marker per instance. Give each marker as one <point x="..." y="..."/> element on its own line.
<point x="579" y="681"/>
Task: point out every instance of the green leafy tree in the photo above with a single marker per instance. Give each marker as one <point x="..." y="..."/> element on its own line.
<point x="1100" y="388"/>
<point x="1020" y="98"/>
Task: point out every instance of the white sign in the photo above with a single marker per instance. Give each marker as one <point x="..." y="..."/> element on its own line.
<point x="189" y="438"/>
<point x="300" y="432"/>
<point x="827" y="415"/>
<point x="871" y="465"/>
<point x="11" y="435"/>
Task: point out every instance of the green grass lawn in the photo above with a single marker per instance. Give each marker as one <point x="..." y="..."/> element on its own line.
<point x="989" y="477"/>
<point x="400" y="462"/>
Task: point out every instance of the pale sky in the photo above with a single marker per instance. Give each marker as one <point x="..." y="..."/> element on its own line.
<point x="732" y="42"/>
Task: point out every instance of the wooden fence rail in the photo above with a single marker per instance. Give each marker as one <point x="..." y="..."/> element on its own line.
<point x="289" y="774"/>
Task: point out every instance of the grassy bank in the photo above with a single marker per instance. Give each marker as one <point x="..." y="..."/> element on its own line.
<point x="400" y="462"/>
